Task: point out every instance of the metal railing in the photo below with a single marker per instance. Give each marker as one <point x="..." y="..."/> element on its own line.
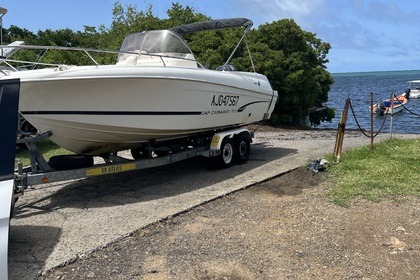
<point x="87" y="51"/>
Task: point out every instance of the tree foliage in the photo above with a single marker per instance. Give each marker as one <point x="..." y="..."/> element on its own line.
<point x="299" y="73"/>
<point x="293" y="60"/>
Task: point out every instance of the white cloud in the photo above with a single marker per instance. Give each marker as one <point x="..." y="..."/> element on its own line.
<point x="279" y="9"/>
<point x="383" y="12"/>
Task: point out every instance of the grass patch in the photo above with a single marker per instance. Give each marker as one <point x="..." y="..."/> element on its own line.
<point x="391" y="170"/>
<point x="46" y="147"/>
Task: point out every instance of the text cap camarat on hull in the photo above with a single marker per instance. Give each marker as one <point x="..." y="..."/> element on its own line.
<point x="156" y="91"/>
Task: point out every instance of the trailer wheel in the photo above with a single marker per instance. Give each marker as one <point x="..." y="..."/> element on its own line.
<point x="242" y="145"/>
<point x="226" y="157"/>
<point x="66" y="162"/>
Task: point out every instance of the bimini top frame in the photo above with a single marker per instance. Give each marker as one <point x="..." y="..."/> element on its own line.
<point x="215" y="25"/>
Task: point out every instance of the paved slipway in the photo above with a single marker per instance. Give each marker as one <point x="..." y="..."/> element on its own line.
<point x="58" y="224"/>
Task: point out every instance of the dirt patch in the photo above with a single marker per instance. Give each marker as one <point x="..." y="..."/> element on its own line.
<point x="284" y="228"/>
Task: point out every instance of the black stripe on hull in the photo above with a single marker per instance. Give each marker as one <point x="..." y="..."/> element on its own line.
<point x="128" y="113"/>
<point x="110" y="113"/>
<point x="246" y="105"/>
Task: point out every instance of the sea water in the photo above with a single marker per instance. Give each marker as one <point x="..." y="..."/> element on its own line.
<point x="359" y="86"/>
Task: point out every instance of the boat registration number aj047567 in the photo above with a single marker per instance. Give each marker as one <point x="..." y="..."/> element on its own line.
<point x="225" y="100"/>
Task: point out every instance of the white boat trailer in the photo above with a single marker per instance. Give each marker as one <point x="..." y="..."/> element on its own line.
<point x="224" y="147"/>
<point x="221" y="146"/>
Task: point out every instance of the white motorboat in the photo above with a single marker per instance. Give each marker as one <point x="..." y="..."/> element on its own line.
<point x="413" y="89"/>
<point x="156" y="91"/>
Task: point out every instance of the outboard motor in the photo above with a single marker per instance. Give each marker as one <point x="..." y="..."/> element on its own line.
<point x="407" y="93"/>
<point x="381" y="108"/>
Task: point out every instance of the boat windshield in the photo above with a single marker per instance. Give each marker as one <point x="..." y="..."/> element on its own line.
<point x="414" y="84"/>
<point x="160" y="42"/>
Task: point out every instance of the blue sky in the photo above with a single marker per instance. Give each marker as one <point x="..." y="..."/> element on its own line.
<point x="365" y="35"/>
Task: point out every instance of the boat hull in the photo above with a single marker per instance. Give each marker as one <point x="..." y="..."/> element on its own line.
<point x="389" y="106"/>
<point x="91" y="110"/>
<point x="414" y="93"/>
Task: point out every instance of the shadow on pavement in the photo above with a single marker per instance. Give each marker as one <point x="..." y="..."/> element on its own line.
<point x="37" y="243"/>
<point x="27" y="255"/>
<point x="145" y="185"/>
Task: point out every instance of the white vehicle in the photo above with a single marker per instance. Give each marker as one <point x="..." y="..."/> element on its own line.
<point x="156" y="91"/>
<point x="9" y="97"/>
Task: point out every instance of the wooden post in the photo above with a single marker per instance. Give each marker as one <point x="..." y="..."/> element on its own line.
<point x="340" y="132"/>
<point x="371" y="121"/>
<point x="392" y="115"/>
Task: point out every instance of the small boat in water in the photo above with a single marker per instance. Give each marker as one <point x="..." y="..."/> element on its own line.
<point x="413" y="89"/>
<point x="156" y="91"/>
<point x="390" y="106"/>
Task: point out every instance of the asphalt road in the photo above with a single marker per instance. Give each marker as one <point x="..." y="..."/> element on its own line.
<point x="56" y="223"/>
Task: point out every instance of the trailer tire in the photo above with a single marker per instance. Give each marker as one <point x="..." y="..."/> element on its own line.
<point x="227" y="154"/>
<point x="67" y="162"/>
<point x="242" y="145"/>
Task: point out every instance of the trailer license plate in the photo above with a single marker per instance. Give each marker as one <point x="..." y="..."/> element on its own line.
<point x="110" y="169"/>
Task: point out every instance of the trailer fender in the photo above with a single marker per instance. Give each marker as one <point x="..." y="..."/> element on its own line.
<point x="217" y="138"/>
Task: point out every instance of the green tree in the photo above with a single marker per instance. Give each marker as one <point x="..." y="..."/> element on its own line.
<point x="295" y="66"/>
<point x="178" y="15"/>
<point x="127" y="20"/>
<point x="15" y="33"/>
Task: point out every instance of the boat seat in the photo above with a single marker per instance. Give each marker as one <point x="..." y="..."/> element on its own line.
<point x="156" y="59"/>
<point x="130" y="59"/>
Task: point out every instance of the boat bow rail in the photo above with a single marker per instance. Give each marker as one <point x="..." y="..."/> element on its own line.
<point x="13" y="65"/>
